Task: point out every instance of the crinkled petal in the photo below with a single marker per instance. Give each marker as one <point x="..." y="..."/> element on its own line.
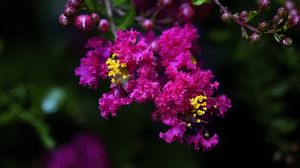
<point x="173" y="134"/>
<point x="110" y="103"/>
<point x="206" y="144"/>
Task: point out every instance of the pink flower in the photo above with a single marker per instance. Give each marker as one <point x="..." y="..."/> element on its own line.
<point x="174" y="48"/>
<point x="143" y="90"/>
<point x="173" y="134"/>
<point x="206" y="144"/>
<point x="110" y="102"/>
<point x="93" y="67"/>
<point x="224" y="103"/>
<point x="132" y="50"/>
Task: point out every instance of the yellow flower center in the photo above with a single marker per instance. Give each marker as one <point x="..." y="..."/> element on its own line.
<point x="117" y="71"/>
<point x="194" y="61"/>
<point x="198" y="108"/>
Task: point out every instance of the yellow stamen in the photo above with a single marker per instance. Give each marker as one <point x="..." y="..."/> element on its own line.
<point x="199" y="104"/>
<point x="200" y="112"/>
<point x="116" y="70"/>
<point x="199" y="107"/>
<point x="194" y="61"/>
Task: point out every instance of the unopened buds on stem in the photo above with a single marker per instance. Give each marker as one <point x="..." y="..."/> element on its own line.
<point x="103" y="25"/>
<point x="84" y="22"/>
<point x="255" y="37"/>
<point x="286" y="41"/>
<point x="226" y="17"/>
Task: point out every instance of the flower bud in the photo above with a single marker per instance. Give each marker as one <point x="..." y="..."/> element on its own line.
<point x="254" y="38"/>
<point x="74" y="3"/>
<point x="282" y="12"/>
<point x="263" y="26"/>
<point x="95" y="17"/>
<point x="165" y="3"/>
<point x="186" y="12"/>
<point x="286" y="41"/>
<point x="147" y="24"/>
<point x="70" y="11"/>
<point x="104" y="25"/>
<point x="244" y="15"/>
<point x="63" y="20"/>
<point x="84" y="22"/>
<point x="293" y="20"/>
<point x="154" y="46"/>
<point x="226" y="17"/>
<point x="276" y="19"/>
<point x="264" y="4"/>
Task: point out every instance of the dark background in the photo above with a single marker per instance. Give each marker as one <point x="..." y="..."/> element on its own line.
<point x="38" y="57"/>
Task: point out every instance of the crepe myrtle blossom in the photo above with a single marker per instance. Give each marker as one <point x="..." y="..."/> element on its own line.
<point x="167" y="75"/>
<point x="188" y="106"/>
<point x="128" y="63"/>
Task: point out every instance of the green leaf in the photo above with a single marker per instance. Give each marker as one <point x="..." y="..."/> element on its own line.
<point x="96" y="7"/>
<point x="6" y="117"/>
<point x="278" y="37"/>
<point x="90" y="4"/>
<point x="199" y="2"/>
<point x="120" y="2"/>
<point x="284" y="126"/>
<point x="41" y="128"/>
<point x="251" y="15"/>
<point x="128" y="19"/>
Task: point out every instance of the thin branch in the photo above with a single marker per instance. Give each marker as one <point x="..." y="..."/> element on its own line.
<point x="108" y="6"/>
<point x="236" y="20"/>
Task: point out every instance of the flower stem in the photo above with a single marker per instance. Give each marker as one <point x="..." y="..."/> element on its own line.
<point x="108" y="7"/>
<point x="236" y="20"/>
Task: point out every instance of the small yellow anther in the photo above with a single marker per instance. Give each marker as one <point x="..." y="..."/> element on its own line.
<point x="198" y="106"/>
<point x="194" y="61"/>
<point x="116" y="70"/>
<point x="189" y="124"/>
<point x="200" y="112"/>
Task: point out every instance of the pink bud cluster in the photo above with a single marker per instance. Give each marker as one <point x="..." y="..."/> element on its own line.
<point x="83" y="22"/>
<point x="164" y="12"/>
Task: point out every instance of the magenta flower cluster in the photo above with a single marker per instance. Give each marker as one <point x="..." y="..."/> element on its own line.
<point x="162" y="70"/>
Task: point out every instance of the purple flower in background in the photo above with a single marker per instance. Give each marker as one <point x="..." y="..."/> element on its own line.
<point x="84" y="151"/>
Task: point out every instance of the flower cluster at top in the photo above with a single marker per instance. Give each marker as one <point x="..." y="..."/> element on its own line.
<point x="162" y="70"/>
